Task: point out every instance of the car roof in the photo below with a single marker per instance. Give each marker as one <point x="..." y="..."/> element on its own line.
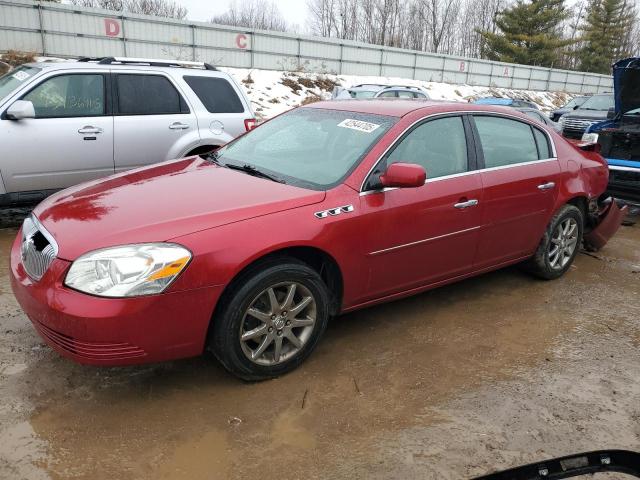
<point x="400" y="108"/>
<point x="91" y="65"/>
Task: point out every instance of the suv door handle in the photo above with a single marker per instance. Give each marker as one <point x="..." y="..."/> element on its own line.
<point x="178" y="126"/>
<point x="546" y="186"/>
<point x="88" y="129"/>
<point x="469" y="203"/>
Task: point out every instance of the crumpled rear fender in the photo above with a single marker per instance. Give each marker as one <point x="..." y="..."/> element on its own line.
<point x="608" y="223"/>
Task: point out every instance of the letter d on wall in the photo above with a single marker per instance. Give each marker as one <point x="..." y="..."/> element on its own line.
<point x="111" y="27"/>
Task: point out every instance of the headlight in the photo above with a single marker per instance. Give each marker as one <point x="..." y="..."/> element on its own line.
<point x="590" y="137"/>
<point x="561" y="121"/>
<point x="129" y="270"/>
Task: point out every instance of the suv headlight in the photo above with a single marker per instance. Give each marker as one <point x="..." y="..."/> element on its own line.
<point x="129" y="270"/>
<point x="590" y="137"/>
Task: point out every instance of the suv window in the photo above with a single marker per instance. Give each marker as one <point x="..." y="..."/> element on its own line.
<point x="69" y="96"/>
<point x="148" y="95"/>
<point x="389" y="94"/>
<point x="505" y="141"/>
<point x="425" y="145"/>
<point x="405" y="94"/>
<point x="216" y="94"/>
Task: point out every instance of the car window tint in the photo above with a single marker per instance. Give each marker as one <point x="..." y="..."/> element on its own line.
<point x="440" y="146"/>
<point x="505" y="142"/>
<point x="403" y="94"/>
<point x="216" y="94"/>
<point x="543" y="144"/>
<point x="387" y="94"/>
<point x="69" y="96"/>
<point x="147" y="95"/>
<point x="419" y="95"/>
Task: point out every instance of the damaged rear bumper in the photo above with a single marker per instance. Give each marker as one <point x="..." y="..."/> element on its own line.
<point x="607" y="223"/>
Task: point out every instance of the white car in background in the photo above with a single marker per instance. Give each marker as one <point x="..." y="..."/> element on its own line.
<point x="373" y="90"/>
<point x="63" y="123"/>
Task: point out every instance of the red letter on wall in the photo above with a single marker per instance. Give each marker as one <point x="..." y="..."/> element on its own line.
<point x="111" y="27"/>
<point x="241" y="41"/>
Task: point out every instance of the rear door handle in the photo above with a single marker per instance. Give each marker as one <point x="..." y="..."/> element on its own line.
<point x="178" y="126"/>
<point x="546" y="186"/>
<point x="469" y="203"/>
<point x="90" y="130"/>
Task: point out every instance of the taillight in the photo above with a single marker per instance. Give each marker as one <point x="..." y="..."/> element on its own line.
<point x="249" y="124"/>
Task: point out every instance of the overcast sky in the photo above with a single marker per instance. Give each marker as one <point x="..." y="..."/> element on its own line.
<point x="294" y="11"/>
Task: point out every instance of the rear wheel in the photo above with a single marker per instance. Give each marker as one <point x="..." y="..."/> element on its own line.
<point x="559" y="244"/>
<point x="271" y="320"/>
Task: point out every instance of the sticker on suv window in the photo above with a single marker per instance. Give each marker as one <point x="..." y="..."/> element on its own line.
<point x="359" y="125"/>
<point x="21" y="76"/>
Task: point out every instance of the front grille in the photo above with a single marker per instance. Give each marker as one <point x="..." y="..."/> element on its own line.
<point x="38" y="248"/>
<point x="575" y="127"/>
<point x="89" y="350"/>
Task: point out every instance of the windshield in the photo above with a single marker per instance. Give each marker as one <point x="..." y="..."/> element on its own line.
<point x="598" y="102"/>
<point x="13" y="79"/>
<point x="308" y="147"/>
<point x="576" y="102"/>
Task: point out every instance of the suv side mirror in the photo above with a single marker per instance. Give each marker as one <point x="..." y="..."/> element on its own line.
<point x="611" y="113"/>
<point x="20" y="110"/>
<point x="403" y="175"/>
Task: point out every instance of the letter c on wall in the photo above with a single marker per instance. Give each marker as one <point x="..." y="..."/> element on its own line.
<point x="241" y="41"/>
<point x="111" y="27"/>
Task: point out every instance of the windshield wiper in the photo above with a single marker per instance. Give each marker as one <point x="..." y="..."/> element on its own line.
<point x="251" y="170"/>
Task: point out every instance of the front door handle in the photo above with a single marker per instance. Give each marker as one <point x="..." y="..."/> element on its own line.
<point x="90" y="130"/>
<point x="546" y="186"/>
<point x="469" y="203"/>
<point x="178" y="126"/>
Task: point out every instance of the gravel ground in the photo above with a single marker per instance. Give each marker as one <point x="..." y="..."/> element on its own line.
<point x="489" y="373"/>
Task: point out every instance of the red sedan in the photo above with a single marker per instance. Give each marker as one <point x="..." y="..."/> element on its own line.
<point x="323" y="210"/>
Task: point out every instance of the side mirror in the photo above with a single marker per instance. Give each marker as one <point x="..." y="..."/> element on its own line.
<point x="611" y="113"/>
<point x="20" y="110"/>
<point x="403" y="175"/>
<point x="575" y="107"/>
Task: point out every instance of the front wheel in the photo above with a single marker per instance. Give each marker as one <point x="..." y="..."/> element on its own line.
<point x="271" y="320"/>
<point x="559" y="244"/>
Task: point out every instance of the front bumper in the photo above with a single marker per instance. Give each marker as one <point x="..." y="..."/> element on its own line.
<point x="112" y="331"/>
<point x="608" y="223"/>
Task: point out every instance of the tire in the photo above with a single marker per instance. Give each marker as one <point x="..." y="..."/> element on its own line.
<point x="544" y="264"/>
<point x="270" y="323"/>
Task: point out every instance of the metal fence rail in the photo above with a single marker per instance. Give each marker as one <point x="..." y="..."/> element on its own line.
<point x="70" y="31"/>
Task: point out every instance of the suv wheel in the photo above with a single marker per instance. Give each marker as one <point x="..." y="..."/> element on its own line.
<point x="272" y="321"/>
<point x="559" y="245"/>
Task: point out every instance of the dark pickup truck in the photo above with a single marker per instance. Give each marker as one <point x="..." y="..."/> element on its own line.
<point x="619" y="135"/>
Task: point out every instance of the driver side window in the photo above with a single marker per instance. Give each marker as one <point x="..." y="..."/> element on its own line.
<point x="69" y="96"/>
<point x="440" y="146"/>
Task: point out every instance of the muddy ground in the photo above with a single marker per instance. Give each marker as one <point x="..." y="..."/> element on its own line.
<point x="489" y="373"/>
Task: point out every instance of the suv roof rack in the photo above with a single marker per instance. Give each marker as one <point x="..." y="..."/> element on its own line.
<point x="408" y="87"/>
<point x="146" y="61"/>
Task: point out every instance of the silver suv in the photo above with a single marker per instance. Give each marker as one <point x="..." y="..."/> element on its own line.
<point x="69" y="122"/>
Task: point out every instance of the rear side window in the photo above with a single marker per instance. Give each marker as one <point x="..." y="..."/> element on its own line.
<point x="69" y="96"/>
<point x="543" y="144"/>
<point x="148" y="95"/>
<point x="440" y="146"/>
<point x="390" y="94"/>
<point x="505" y="142"/>
<point x="216" y="94"/>
<point x="404" y="94"/>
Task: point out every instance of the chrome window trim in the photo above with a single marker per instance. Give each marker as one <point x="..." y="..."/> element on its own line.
<point x="445" y="177"/>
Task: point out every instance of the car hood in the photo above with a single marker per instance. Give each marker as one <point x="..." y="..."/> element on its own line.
<point x="586" y="114"/>
<point x="161" y="202"/>
<point x="626" y="85"/>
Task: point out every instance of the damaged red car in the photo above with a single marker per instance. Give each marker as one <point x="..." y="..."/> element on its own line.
<point x="325" y="209"/>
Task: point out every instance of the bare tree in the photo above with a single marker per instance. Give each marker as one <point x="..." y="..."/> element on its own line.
<point x="159" y="8"/>
<point x="260" y="14"/>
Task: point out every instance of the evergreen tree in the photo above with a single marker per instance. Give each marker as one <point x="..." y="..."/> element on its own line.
<point x="530" y="33"/>
<point x="606" y="35"/>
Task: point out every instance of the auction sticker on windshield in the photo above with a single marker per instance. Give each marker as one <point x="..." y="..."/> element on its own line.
<point x="21" y="76"/>
<point x="359" y="125"/>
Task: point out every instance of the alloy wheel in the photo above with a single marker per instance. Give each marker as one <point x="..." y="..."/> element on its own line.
<point x="278" y="323"/>
<point x="563" y="243"/>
